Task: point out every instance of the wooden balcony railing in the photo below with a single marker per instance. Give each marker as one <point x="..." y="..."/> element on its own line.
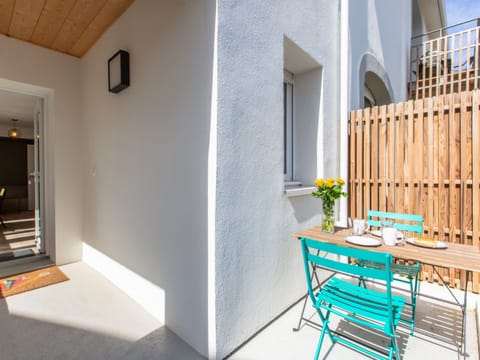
<point x="446" y="64"/>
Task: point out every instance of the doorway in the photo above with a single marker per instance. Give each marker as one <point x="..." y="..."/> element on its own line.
<point x="21" y="159"/>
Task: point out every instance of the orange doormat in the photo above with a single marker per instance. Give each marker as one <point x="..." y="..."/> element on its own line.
<point x="17" y="284"/>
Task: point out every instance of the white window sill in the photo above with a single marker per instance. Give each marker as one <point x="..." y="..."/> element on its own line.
<point x="296" y="190"/>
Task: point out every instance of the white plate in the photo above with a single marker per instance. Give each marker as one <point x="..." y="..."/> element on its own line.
<point x="363" y="241"/>
<point x="379" y="234"/>
<point x="439" y="244"/>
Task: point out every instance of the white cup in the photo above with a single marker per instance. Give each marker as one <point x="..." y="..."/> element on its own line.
<point x="389" y="236"/>
<point x="359" y="226"/>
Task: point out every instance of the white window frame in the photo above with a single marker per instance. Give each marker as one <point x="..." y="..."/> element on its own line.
<point x="288" y="124"/>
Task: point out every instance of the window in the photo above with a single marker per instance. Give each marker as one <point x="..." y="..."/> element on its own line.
<point x="302" y="109"/>
<point x="288" y="126"/>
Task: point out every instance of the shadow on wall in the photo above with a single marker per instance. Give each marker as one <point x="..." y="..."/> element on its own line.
<point x="305" y="208"/>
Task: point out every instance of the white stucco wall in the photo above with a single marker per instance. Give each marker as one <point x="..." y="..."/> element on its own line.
<point x="146" y="154"/>
<point x="380" y="29"/>
<point x="57" y="76"/>
<point x="259" y="265"/>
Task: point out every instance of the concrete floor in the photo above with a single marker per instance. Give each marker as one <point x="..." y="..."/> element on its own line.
<point x="84" y="318"/>
<point x="89" y="318"/>
<point x="436" y="325"/>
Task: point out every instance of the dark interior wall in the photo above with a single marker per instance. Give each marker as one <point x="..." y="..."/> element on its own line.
<point x="14" y="173"/>
<point x="13" y="164"/>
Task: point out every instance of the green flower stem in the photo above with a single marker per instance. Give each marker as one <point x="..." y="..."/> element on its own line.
<point x="329" y="191"/>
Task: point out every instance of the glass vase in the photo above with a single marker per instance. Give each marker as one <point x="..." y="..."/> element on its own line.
<point x="328" y="224"/>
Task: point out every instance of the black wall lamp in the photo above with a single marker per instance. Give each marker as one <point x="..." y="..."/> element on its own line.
<point x="119" y="71"/>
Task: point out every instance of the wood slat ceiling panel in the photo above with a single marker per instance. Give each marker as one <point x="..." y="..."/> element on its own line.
<point x="6" y="10"/>
<point x="107" y="16"/>
<point x="51" y="20"/>
<point x="82" y="14"/>
<point x="69" y="26"/>
<point x="25" y="17"/>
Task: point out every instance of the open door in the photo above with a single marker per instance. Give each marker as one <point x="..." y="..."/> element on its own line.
<point x="36" y="176"/>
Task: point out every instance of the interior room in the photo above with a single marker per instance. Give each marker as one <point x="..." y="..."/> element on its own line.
<point x="17" y="176"/>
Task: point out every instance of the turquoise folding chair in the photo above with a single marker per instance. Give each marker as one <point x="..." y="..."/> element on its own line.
<point x="365" y="307"/>
<point x="410" y="223"/>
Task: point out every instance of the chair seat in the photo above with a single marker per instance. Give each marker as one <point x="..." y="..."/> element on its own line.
<point x="400" y="269"/>
<point x="358" y="304"/>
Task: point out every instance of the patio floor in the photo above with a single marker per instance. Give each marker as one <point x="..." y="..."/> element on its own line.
<point x="437" y="324"/>
<point x="89" y="318"/>
<point x="85" y="318"/>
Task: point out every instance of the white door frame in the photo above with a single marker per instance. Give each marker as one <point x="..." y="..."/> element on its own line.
<point x="47" y="209"/>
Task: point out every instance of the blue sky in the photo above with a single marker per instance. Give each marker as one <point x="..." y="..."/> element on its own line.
<point x="462" y="10"/>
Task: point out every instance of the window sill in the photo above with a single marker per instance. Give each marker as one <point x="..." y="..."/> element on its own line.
<point x="296" y="190"/>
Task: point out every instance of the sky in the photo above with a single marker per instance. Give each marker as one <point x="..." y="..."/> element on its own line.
<point x="462" y="10"/>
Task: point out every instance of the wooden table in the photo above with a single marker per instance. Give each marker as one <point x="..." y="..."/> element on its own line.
<point x="458" y="256"/>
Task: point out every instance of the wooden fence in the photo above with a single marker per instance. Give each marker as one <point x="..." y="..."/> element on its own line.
<point x="421" y="157"/>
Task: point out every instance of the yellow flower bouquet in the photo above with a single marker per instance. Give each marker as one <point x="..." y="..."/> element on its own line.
<point x="329" y="190"/>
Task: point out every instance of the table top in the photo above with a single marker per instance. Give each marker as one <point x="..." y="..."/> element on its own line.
<point x="458" y="256"/>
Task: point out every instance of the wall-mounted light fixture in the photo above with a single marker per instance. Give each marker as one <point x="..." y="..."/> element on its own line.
<point x="14" y="132"/>
<point x="119" y="71"/>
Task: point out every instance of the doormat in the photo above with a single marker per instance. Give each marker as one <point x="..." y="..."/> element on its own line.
<point x="17" y="284"/>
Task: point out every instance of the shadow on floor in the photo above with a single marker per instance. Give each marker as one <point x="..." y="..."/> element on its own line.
<point x="437" y="324"/>
<point x="26" y="338"/>
<point x="17" y="239"/>
<point x="161" y="344"/>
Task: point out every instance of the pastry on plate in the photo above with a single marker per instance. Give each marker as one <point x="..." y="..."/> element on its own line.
<point x="424" y="241"/>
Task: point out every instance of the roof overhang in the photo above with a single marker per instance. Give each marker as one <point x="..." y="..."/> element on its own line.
<point x="433" y="14"/>
<point x="68" y="26"/>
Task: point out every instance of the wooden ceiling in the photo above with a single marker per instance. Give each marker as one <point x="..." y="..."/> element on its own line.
<point x="68" y="26"/>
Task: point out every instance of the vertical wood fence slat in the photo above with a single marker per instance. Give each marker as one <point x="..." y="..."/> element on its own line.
<point x="351" y="169"/>
<point x="428" y="176"/>
<point x="411" y="208"/>
<point x="442" y="176"/>
<point x="390" y="166"/>
<point x="476" y="177"/>
<point x="421" y="157"/>
<point x="399" y="160"/>
<point x="442" y="162"/>
<point x="366" y="162"/>
<point x="374" y="159"/>
<point x="463" y="162"/>
<point x="382" y="204"/>
<point x="451" y="160"/>
<point x="359" y="164"/>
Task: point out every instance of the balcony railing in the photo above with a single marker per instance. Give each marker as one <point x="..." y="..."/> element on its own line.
<point x="442" y="62"/>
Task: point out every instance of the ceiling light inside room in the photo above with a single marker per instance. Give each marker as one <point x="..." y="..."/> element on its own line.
<point x="14" y="132"/>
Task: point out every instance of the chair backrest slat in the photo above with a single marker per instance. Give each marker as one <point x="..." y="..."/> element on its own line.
<point x="346" y="268"/>
<point x="311" y="254"/>
<point x="403" y="222"/>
